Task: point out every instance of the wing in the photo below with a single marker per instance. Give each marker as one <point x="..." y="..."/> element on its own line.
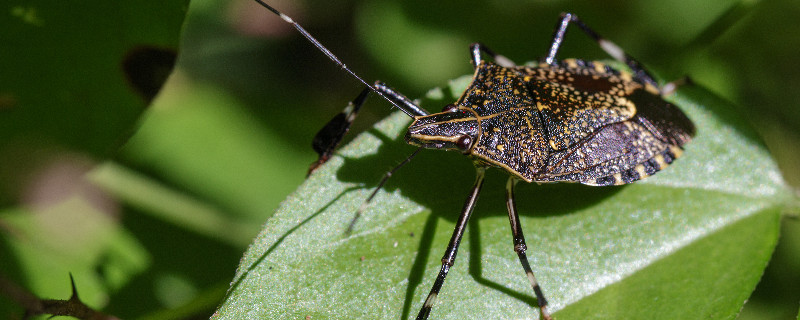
<point x="581" y="122"/>
<point x="663" y="119"/>
<point x="578" y="98"/>
<point x="619" y="153"/>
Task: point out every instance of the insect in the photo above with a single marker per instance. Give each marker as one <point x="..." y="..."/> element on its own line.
<point x="556" y="121"/>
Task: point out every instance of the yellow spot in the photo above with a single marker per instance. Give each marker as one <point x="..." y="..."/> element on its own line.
<point x="618" y="179"/>
<point x="631" y="107"/>
<point x="640" y="170"/>
<point x="660" y="161"/>
<point x="528" y="122"/>
<point x="501" y="147"/>
<point x="541" y="106"/>
<point x="650" y="88"/>
<point x="677" y="152"/>
<point x="599" y="67"/>
<point x="626" y="76"/>
<point x="496" y="129"/>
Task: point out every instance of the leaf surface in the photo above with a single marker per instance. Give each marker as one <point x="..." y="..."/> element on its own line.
<point x="656" y="249"/>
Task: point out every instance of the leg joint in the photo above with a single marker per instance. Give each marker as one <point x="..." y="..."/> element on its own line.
<point x="447" y="262"/>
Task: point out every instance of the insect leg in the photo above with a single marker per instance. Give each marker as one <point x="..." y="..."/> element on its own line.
<point x="609" y="47"/>
<point x="330" y="136"/>
<point x="476" y="49"/>
<point x="452" y="248"/>
<point x="385" y="178"/>
<point x="520" y="247"/>
<point x="669" y="88"/>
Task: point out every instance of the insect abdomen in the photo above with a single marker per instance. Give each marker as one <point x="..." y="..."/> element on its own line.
<point x="640" y="171"/>
<point x="624" y="152"/>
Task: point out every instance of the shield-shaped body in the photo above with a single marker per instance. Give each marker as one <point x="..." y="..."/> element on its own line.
<point x="572" y="122"/>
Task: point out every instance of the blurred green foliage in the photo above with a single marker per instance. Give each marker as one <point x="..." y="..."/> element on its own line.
<point x="155" y="228"/>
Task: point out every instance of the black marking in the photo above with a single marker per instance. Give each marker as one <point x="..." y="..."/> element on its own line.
<point x="669" y="157"/>
<point x="630" y="175"/>
<point x="651" y="166"/>
<point x="538" y="291"/>
<point x="606" y="181"/>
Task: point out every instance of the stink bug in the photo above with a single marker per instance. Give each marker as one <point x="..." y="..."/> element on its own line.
<point x="555" y="121"/>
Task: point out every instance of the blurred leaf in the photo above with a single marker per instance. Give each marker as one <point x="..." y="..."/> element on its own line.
<point x="81" y="240"/>
<point x="63" y="84"/>
<point x="75" y="78"/>
<point x="656" y="249"/>
<point x="201" y="139"/>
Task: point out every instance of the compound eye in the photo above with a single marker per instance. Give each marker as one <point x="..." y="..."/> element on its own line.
<point x="464" y="143"/>
<point x="450" y="108"/>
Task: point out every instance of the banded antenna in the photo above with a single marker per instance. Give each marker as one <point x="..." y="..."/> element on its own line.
<point x="410" y="109"/>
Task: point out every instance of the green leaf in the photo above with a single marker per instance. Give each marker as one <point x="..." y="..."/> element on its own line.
<point x="67" y="101"/>
<point x="66" y="81"/>
<point x="656" y="249"/>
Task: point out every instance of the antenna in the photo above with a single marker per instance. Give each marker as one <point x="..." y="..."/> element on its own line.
<point x="411" y="111"/>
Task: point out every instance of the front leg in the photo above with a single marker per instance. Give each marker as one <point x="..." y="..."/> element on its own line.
<point x="452" y="248"/>
<point x="330" y="136"/>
